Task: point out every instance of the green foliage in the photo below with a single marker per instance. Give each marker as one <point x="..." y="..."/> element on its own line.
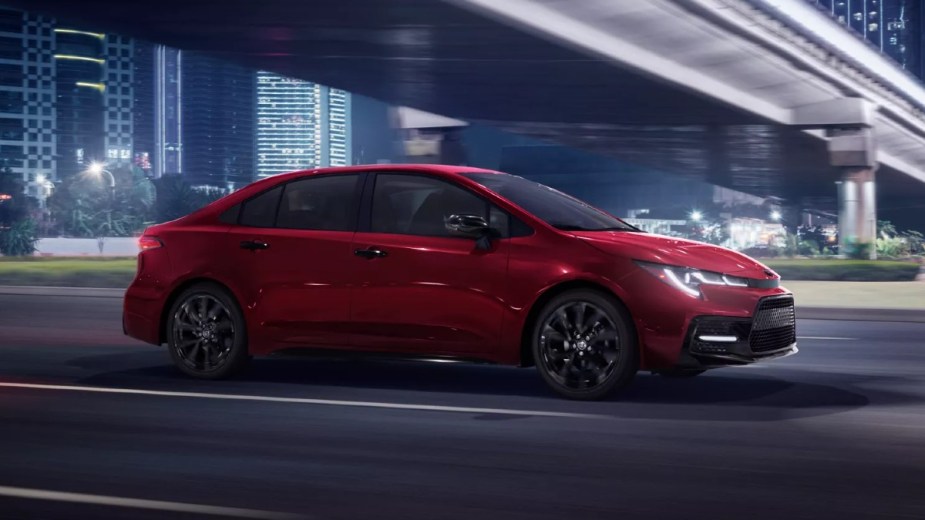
<point x="916" y="242"/>
<point x="895" y="244"/>
<point x="84" y="205"/>
<point x="817" y="236"/>
<point x="19" y="239"/>
<point x="857" y="250"/>
<point x="886" y="229"/>
<point x="892" y="247"/>
<point x="17" y="229"/>
<point x="18" y="206"/>
<point x="791" y="246"/>
<point x="844" y="270"/>
<point x="808" y="248"/>
<point x="176" y="198"/>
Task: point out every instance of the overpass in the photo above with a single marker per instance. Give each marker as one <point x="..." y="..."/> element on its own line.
<point x="771" y="97"/>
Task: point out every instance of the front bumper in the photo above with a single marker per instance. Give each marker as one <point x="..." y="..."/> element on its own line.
<point x="714" y="341"/>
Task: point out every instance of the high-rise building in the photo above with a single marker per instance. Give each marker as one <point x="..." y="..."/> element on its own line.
<point x="168" y="125"/>
<point x="337" y="130"/>
<point x="80" y="67"/>
<point x="143" y="105"/>
<point x="897" y="27"/>
<point x="118" y="100"/>
<point x="27" y="98"/>
<point x="288" y="124"/>
<point x="218" y="120"/>
<point x="300" y="125"/>
<point x="157" y="114"/>
<point x="65" y="98"/>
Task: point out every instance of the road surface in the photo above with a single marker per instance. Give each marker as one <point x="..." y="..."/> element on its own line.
<point x="95" y="425"/>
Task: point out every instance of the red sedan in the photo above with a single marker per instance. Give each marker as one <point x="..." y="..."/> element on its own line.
<point x="445" y="261"/>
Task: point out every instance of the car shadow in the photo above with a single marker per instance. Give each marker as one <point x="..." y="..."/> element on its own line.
<point x="726" y="394"/>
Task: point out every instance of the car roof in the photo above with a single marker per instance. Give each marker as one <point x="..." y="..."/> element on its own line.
<point x="261" y="184"/>
<point x="424" y="168"/>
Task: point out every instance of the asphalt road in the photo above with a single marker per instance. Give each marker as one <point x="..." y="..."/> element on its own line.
<point x="837" y="431"/>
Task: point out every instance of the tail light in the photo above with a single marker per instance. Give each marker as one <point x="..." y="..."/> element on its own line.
<point x="148" y="242"/>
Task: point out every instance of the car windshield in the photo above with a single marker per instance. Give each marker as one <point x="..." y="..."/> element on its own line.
<point x="553" y="207"/>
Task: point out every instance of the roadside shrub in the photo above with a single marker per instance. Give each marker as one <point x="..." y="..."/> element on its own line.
<point x="845" y="270"/>
<point x="19" y="239"/>
<point x="893" y="247"/>
<point x="808" y="248"/>
<point x="858" y="250"/>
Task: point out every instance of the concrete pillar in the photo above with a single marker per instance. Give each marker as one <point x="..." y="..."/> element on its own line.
<point x="857" y="209"/>
<point x="848" y="123"/>
<point x="854" y="152"/>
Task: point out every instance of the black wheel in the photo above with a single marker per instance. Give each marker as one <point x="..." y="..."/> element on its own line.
<point x="206" y="336"/>
<point x="584" y="345"/>
<point x="676" y="373"/>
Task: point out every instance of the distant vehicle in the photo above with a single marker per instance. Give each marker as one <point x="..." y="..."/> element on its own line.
<point x="448" y="262"/>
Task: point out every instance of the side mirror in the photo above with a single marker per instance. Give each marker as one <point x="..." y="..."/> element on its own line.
<point x="472" y="226"/>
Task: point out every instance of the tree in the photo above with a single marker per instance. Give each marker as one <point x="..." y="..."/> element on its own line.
<point x="84" y="205"/>
<point x="17" y="227"/>
<point x="176" y="198"/>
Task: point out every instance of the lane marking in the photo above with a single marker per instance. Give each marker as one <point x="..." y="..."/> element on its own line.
<point x="300" y="400"/>
<point x="138" y="503"/>
<point x="835" y="338"/>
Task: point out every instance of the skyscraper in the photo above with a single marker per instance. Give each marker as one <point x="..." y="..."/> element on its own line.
<point x="288" y="124"/>
<point x="337" y="131"/>
<point x="27" y="92"/>
<point x="219" y="121"/>
<point x="143" y="104"/>
<point x="300" y="125"/>
<point x="897" y="27"/>
<point x="65" y="98"/>
<point x="80" y="66"/>
<point x="158" y="114"/>
<point x="118" y="100"/>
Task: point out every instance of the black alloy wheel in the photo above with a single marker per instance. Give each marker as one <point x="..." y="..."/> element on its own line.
<point x="206" y="336"/>
<point x="584" y="345"/>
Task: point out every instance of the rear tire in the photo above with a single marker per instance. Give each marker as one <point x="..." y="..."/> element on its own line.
<point x="584" y="345"/>
<point x="206" y="334"/>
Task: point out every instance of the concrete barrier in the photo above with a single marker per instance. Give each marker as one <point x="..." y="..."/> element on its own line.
<point x="111" y="246"/>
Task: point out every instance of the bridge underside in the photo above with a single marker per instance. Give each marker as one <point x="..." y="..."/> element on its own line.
<point x="437" y="57"/>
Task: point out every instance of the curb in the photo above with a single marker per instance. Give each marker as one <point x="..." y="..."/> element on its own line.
<point x="807" y="313"/>
<point x="851" y="314"/>
<point x="39" y="290"/>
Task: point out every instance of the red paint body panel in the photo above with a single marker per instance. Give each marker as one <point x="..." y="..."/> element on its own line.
<point x="429" y="295"/>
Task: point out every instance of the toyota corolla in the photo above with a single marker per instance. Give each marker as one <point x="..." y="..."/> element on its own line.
<point x="448" y="262"/>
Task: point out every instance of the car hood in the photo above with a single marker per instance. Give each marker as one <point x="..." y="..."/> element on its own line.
<point x="675" y="251"/>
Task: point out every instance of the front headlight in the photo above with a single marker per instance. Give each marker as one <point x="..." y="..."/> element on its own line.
<point x="689" y="280"/>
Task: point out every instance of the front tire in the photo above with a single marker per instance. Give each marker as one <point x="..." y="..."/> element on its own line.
<point x="584" y="345"/>
<point x="206" y="334"/>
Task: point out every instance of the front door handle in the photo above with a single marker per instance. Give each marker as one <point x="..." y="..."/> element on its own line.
<point x="253" y="245"/>
<point x="370" y="252"/>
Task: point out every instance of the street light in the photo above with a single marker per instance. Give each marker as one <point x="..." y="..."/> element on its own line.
<point x="776" y="216"/>
<point x="696" y="215"/>
<point x="97" y="169"/>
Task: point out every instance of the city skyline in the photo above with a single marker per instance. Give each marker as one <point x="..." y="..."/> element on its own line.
<point x="71" y="96"/>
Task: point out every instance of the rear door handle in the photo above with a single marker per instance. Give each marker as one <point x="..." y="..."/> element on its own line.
<point x="253" y="245"/>
<point x="370" y="252"/>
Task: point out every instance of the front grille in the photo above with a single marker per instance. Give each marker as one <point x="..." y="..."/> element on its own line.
<point x="774" y="326"/>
